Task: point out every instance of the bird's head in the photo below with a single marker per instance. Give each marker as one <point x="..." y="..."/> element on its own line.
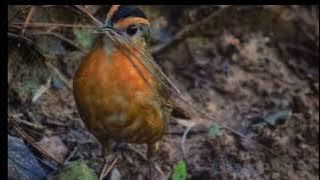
<point x="129" y="22"/>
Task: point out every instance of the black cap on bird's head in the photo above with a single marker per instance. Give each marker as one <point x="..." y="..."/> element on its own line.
<point x="120" y="12"/>
<point x="120" y="16"/>
<point x="128" y="21"/>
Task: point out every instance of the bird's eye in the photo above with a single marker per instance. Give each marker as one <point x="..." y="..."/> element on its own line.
<point x="132" y="30"/>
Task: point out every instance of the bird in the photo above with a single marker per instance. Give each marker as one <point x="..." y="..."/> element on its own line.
<point x="117" y="90"/>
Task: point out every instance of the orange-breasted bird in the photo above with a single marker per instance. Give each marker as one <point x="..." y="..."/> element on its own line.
<point x="115" y="87"/>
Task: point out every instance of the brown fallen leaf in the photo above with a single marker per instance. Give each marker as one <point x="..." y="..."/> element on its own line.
<point x="54" y="146"/>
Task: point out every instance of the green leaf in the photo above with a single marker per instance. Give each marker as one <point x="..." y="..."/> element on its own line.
<point x="77" y="170"/>
<point x="214" y="131"/>
<point x="180" y="171"/>
<point x="84" y="37"/>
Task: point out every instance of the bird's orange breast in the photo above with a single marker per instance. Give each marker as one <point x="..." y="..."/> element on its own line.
<point x="116" y="100"/>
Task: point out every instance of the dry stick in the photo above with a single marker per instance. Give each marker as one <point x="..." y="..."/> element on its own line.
<point x="26" y="22"/>
<point x="187" y="30"/>
<point x="18" y="13"/>
<point x="50" y="29"/>
<point x="60" y="37"/>
<point x="145" y="158"/>
<point x="70" y="156"/>
<point x="85" y="11"/>
<point x="44" y="24"/>
<point x="30" y="124"/>
<point x="137" y="151"/>
<point x="22" y="9"/>
<point x="20" y="37"/>
<point x="41" y="90"/>
<point x="183" y="142"/>
<point x="104" y="174"/>
<point x="60" y="75"/>
<point x="32" y="142"/>
<point x="103" y="170"/>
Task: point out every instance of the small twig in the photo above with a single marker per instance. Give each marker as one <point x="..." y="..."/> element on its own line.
<point x="70" y="156"/>
<point x="187" y="30"/>
<point x="103" y="170"/>
<point x="17" y="117"/>
<point x="41" y="90"/>
<point x="137" y="151"/>
<point x="18" y="13"/>
<point x="60" y="37"/>
<point x="85" y="11"/>
<point x="145" y="158"/>
<point x="30" y="124"/>
<point x="104" y="174"/>
<point x="51" y="29"/>
<point x="26" y="22"/>
<point x="20" y="37"/>
<point x="156" y="165"/>
<point x="112" y="165"/>
<point x="183" y="141"/>
<point x="59" y="74"/>
<point x="44" y="24"/>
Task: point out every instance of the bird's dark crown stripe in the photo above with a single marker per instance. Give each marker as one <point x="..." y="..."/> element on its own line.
<point x="125" y="11"/>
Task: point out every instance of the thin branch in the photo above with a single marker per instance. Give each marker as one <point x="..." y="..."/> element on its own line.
<point x="137" y="151"/>
<point x="85" y="11"/>
<point x="187" y="30"/>
<point x="41" y="90"/>
<point x="59" y="74"/>
<point x="60" y="37"/>
<point x="105" y="172"/>
<point x="44" y="24"/>
<point x="183" y="141"/>
<point x="26" y="22"/>
<point x="27" y="123"/>
<point x="71" y="155"/>
<point x="18" y="13"/>
<point x="20" y="37"/>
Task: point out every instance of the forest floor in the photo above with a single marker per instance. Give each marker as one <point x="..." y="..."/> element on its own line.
<point x="254" y="69"/>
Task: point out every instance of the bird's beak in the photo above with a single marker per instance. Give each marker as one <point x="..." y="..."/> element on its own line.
<point x="104" y="27"/>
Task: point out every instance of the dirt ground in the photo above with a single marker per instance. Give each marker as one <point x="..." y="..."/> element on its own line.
<point x="239" y="66"/>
